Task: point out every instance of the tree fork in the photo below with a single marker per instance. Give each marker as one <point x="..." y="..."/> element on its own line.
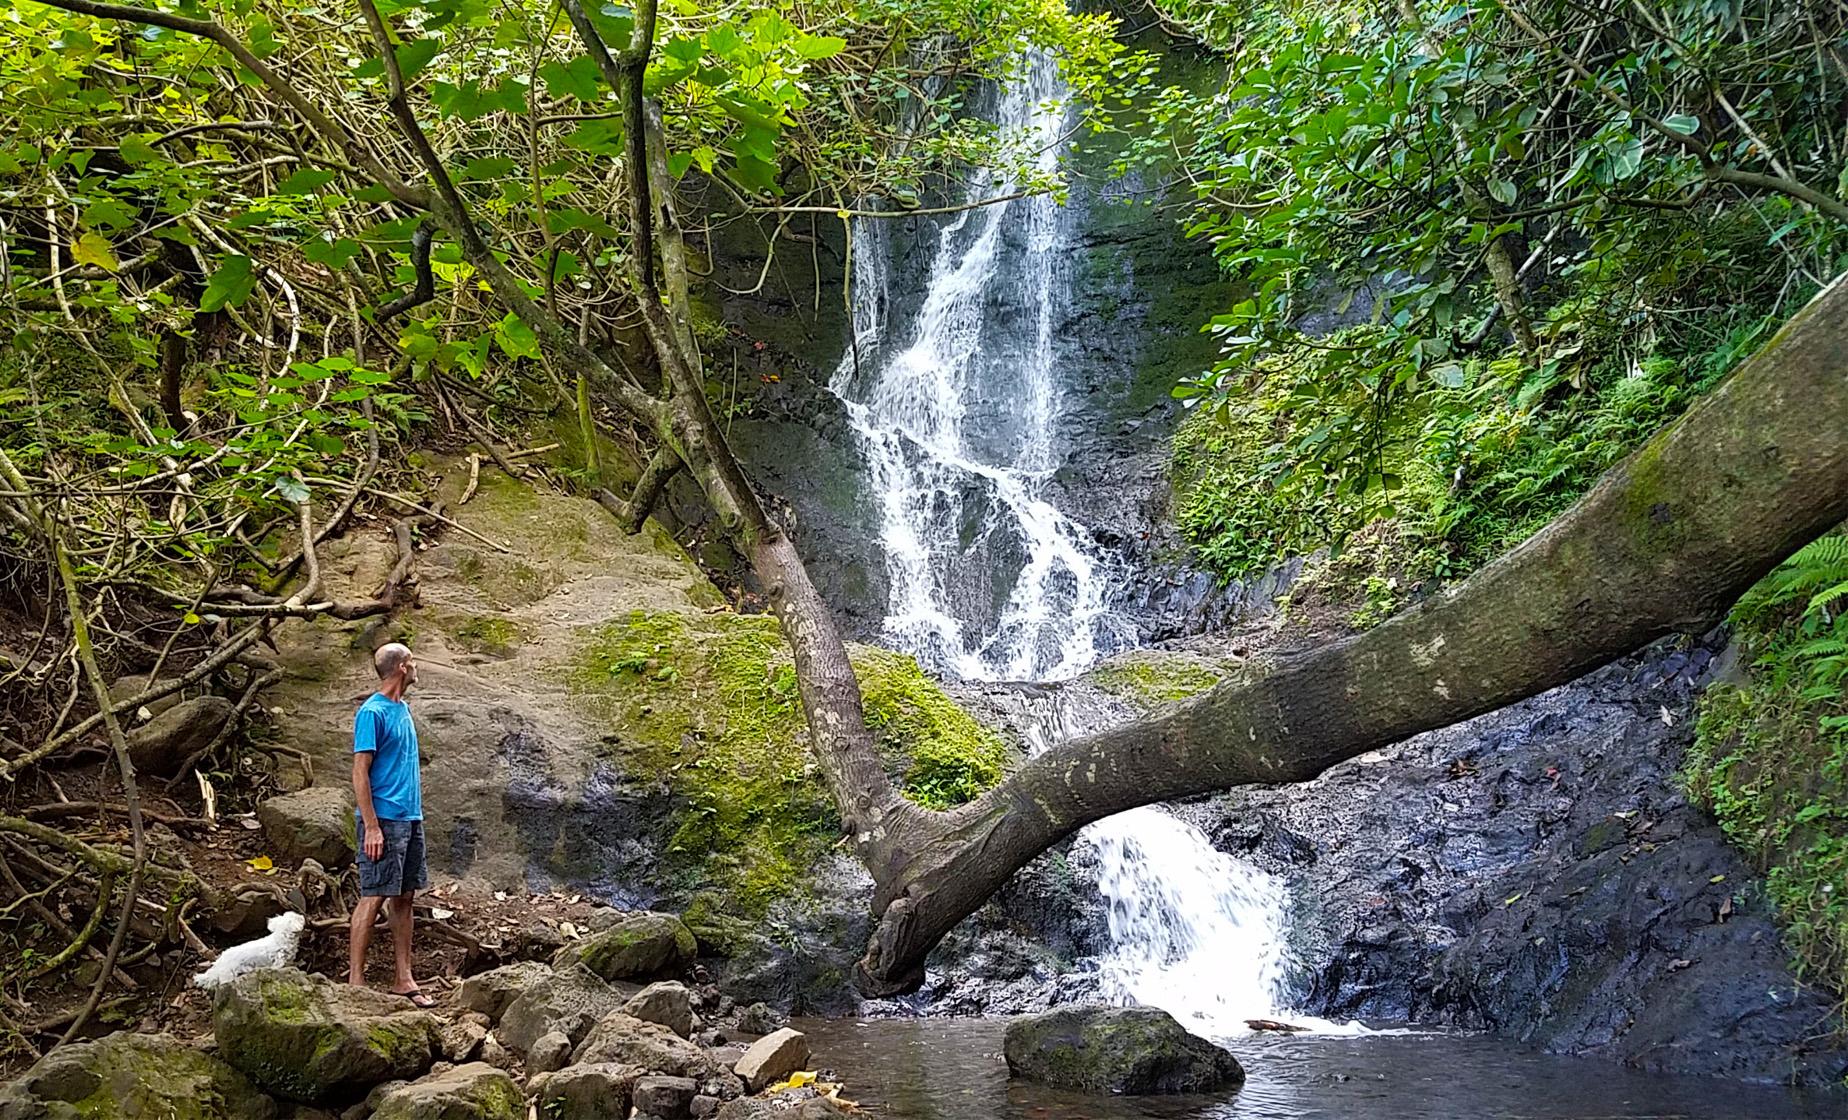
<point x="1665" y="543"/>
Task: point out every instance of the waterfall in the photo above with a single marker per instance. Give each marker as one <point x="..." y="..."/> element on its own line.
<point x="956" y="405"/>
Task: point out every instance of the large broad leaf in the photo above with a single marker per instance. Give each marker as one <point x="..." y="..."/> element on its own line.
<point x="306" y="181"/>
<point x="515" y="338"/>
<point x="577" y="78"/>
<point x="94" y="249"/>
<point x="820" y="46"/>
<point x="231" y="285"/>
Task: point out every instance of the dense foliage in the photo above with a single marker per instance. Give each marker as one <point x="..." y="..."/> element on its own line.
<point x="1489" y="247"/>
<point x="1771" y="752"/>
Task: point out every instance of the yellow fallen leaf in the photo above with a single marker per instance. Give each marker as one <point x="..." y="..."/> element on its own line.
<point x="794" y="1081"/>
<point x="261" y="863"/>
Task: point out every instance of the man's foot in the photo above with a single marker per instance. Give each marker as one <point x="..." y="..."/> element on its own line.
<point x="417" y="996"/>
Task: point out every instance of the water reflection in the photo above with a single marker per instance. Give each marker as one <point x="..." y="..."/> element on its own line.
<point x="952" y="1069"/>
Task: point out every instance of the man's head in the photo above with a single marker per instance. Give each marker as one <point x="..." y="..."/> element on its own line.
<point x="395" y="665"/>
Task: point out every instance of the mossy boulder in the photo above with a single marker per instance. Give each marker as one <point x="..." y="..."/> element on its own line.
<point x="128" y="1076"/>
<point x="644" y="946"/>
<point x="1124" y="1050"/>
<point x="476" y="1091"/>
<point x="308" y="1039"/>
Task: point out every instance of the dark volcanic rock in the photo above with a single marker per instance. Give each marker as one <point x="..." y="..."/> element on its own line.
<point x="1131" y="1050"/>
<point x="1537" y="872"/>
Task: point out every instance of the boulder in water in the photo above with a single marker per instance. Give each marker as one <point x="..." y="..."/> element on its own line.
<point x="1130" y="1050"/>
<point x="772" y="1058"/>
<point x="123" y="1076"/>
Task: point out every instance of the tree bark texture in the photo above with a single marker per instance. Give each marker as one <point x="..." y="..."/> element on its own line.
<point x="1665" y="543"/>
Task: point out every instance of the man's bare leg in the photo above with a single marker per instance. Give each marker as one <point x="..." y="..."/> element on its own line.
<point x="359" y="939"/>
<point x="400" y="913"/>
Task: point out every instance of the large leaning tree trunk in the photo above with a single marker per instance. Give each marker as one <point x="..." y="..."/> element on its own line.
<point x="1665" y="543"/>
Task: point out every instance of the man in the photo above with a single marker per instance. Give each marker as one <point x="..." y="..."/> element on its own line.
<point x="388" y="787"/>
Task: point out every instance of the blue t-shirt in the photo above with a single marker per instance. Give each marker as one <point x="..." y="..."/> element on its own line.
<point x="383" y="726"/>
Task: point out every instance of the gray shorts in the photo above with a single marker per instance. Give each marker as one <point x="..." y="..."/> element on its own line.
<point x="400" y="867"/>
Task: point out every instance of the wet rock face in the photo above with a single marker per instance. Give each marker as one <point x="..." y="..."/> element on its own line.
<point x="1136" y="1051"/>
<point x="1537" y="873"/>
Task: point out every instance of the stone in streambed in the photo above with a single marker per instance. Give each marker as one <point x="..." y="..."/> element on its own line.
<point x="772" y="1058"/>
<point x="1127" y="1050"/>
<point x="552" y="1051"/>
<point x="125" y="1076"/>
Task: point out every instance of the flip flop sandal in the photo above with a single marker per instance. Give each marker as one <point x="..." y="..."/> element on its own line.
<point x="418" y="999"/>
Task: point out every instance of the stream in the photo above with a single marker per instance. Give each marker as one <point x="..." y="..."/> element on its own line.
<point x="951" y="1069"/>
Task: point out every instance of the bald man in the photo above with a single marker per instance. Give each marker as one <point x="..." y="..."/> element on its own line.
<point x="389" y="790"/>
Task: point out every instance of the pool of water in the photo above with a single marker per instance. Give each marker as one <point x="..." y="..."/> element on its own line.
<point x="952" y="1069"/>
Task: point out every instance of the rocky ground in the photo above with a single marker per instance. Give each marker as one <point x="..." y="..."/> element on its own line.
<point x="594" y="1033"/>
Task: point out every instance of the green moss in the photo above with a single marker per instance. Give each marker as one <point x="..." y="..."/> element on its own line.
<point x="1152" y="678"/>
<point x="491" y="634"/>
<point x="1770" y="760"/>
<point x="708" y="704"/>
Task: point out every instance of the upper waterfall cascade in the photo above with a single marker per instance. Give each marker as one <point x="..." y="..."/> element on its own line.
<point x="955" y="395"/>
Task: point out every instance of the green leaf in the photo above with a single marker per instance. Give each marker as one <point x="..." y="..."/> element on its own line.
<point x="231" y="285"/>
<point x="93" y="248"/>
<point x="291" y="490"/>
<point x="1502" y="191"/>
<point x="820" y="46"/>
<point x="1683" y="123"/>
<point x="136" y="150"/>
<point x="515" y="338"/>
<point x="577" y="78"/>
<point x="487" y="167"/>
<point x="306" y="181"/>
<point x="330" y="254"/>
<point x="110" y="214"/>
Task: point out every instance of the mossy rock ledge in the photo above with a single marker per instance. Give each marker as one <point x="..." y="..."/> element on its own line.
<point x="476" y="1091"/>
<point x="1137" y="1051"/>
<point x="311" y="1040"/>
<point x="644" y="946"/>
<point x="127" y="1076"/>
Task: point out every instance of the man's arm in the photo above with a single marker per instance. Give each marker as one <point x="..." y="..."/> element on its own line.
<point x="365" y="749"/>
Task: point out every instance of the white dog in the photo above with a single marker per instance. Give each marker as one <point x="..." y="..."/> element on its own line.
<point x="274" y="951"/>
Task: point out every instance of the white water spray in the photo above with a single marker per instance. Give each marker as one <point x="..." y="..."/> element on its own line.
<point x="958" y="411"/>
